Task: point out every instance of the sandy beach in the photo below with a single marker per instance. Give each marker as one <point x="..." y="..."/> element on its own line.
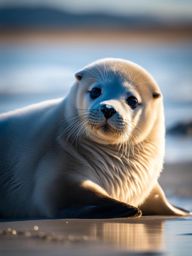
<point x="176" y="179"/>
<point x="135" y="236"/>
<point x="143" y="236"/>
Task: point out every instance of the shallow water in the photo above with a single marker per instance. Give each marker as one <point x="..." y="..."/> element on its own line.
<point x="49" y="69"/>
<point x="146" y="235"/>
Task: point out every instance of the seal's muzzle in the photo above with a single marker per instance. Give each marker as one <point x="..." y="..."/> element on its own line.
<point x="108" y="111"/>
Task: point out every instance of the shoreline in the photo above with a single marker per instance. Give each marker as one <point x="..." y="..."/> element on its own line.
<point x="81" y="36"/>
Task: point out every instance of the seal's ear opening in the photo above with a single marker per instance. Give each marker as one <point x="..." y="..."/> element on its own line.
<point x="79" y="75"/>
<point x="156" y="95"/>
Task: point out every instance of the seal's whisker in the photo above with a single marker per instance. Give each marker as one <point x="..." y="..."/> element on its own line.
<point x="80" y="132"/>
<point x="74" y="129"/>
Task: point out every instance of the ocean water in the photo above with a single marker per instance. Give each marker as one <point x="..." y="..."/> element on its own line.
<point x="31" y="73"/>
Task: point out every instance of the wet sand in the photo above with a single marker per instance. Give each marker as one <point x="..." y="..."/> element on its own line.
<point x="139" y="236"/>
<point x="142" y="236"/>
<point x="176" y="179"/>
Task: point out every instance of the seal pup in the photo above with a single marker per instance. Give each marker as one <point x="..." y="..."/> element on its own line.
<point x="97" y="153"/>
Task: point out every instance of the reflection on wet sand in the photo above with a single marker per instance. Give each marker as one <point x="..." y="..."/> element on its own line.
<point x="134" y="237"/>
<point x="95" y="237"/>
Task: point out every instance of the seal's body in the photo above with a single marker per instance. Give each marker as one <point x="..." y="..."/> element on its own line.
<point x="97" y="153"/>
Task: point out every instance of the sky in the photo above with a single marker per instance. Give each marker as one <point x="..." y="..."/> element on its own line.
<point x="171" y="8"/>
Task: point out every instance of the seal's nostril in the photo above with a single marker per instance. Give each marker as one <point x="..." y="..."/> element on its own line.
<point x="108" y="111"/>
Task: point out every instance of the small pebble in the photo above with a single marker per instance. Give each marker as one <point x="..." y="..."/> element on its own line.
<point x="36" y="228"/>
<point x="36" y="234"/>
<point x="14" y="232"/>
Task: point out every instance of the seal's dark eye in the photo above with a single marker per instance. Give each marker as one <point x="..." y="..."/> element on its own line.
<point x="132" y="102"/>
<point x="95" y="92"/>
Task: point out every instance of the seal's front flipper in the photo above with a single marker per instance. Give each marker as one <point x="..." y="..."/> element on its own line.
<point x="157" y="204"/>
<point x="109" y="209"/>
<point x="89" y="200"/>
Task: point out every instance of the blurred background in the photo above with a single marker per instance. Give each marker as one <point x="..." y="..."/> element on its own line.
<point x="43" y="42"/>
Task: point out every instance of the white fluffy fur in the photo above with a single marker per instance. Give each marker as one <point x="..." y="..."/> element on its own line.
<point x="126" y="166"/>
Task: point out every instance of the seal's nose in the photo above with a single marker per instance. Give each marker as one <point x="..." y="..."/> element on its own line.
<point x="107" y="110"/>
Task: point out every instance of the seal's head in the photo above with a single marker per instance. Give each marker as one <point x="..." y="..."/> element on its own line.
<point x="115" y="101"/>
